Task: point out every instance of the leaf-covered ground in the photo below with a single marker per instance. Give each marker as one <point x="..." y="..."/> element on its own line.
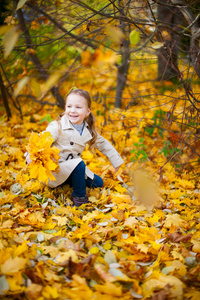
<point x="122" y="244"/>
<point x="138" y="238"/>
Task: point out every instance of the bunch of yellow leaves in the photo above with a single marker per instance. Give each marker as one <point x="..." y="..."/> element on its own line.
<point x="44" y="157"/>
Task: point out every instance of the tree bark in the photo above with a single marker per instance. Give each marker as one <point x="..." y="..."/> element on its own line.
<point x="122" y="73"/>
<point x="195" y="31"/>
<point x="123" y="68"/>
<point x="35" y="59"/>
<point x="171" y="19"/>
<point x="5" y="99"/>
<point x="73" y="36"/>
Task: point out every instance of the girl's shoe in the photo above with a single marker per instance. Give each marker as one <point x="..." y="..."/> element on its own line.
<point x="77" y="201"/>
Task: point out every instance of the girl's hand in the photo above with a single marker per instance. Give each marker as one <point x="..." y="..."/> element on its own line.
<point x="116" y="169"/>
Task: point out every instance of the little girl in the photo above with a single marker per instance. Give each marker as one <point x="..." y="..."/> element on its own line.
<point x="71" y="133"/>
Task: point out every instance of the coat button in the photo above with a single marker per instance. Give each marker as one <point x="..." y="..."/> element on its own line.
<point x="71" y="143"/>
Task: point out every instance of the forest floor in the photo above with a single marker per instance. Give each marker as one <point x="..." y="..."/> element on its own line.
<point x="138" y="238"/>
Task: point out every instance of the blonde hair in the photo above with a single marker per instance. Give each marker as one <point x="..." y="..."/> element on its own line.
<point x="90" y="119"/>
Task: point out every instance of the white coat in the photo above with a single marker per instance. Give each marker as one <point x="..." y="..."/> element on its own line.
<point x="72" y="144"/>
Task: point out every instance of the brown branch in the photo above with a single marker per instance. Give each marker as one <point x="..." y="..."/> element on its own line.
<point x="16" y="105"/>
<point x="67" y="32"/>
<point x="35" y="59"/>
<point x="5" y="99"/>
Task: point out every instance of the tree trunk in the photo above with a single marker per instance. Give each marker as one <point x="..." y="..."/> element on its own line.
<point x="35" y="59"/>
<point x="5" y="99"/>
<point x="122" y="71"/>
<point x="195" y="31"/>
<point x="171" y="19"/>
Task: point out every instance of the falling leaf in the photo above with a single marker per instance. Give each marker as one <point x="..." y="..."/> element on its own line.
<point x="5" y="28"/>
<point x="10" y="39"/>
<point x="115" y="34"/>
<point x="49" y="83"/>
<point x="20" y="85"/>
<point x="20" y="4"/>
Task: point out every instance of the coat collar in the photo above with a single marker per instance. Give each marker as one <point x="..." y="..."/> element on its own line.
<point x="76" y="137"/>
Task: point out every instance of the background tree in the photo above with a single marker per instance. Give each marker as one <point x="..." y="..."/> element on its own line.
<point x="170" y="24"/>
<point x="63" y="37"/>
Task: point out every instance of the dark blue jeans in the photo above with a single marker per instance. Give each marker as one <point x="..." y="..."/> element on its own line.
<point x="78" y="182"/>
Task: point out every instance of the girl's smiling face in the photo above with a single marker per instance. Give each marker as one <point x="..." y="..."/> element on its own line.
<point x="76" y="109"/>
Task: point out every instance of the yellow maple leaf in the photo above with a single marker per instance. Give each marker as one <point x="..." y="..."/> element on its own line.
<point x="109" y="288"/>
<point x="176" y="286"/>
<point x="44" y="157"/>
<point x="61" y="220"/>
<point x="33" y="291"/>
<point x="15" y="284"/>
<point x="177" y="255"/>
<point x="36" y="218"/>
<point x="196" y="246"/>
<point x="83" y="231"/>
<point x="50" y="292"/>
<point x="193" y="295"/>
<point x="143" y="248"/>
<point x="173" y="220"/>
<point x="13" y="265"/>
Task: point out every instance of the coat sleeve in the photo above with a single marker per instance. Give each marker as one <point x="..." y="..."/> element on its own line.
<point x="105" y="147"/>
<point x="53" y="128"/>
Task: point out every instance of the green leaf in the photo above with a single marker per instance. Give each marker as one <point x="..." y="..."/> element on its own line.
<point x="149" y="130"/>
<point x="134" y="37"/>
<point x="46" y="118"/>
<point x="21" y="3"/>
<point x="167" y="143"/>
<point x="165" y="151"/>
<point x="132" y="151"/>
<point x="171" y="151"/>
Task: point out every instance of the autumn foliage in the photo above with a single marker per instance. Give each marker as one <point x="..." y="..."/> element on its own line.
<point x="139" y="236"/>
<point x="44" y="157"/>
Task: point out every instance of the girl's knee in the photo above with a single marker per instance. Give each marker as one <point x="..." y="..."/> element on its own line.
<point x="81" y="166"/>
<point x="101" y="182"/>
<point x="98" y="182"/>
